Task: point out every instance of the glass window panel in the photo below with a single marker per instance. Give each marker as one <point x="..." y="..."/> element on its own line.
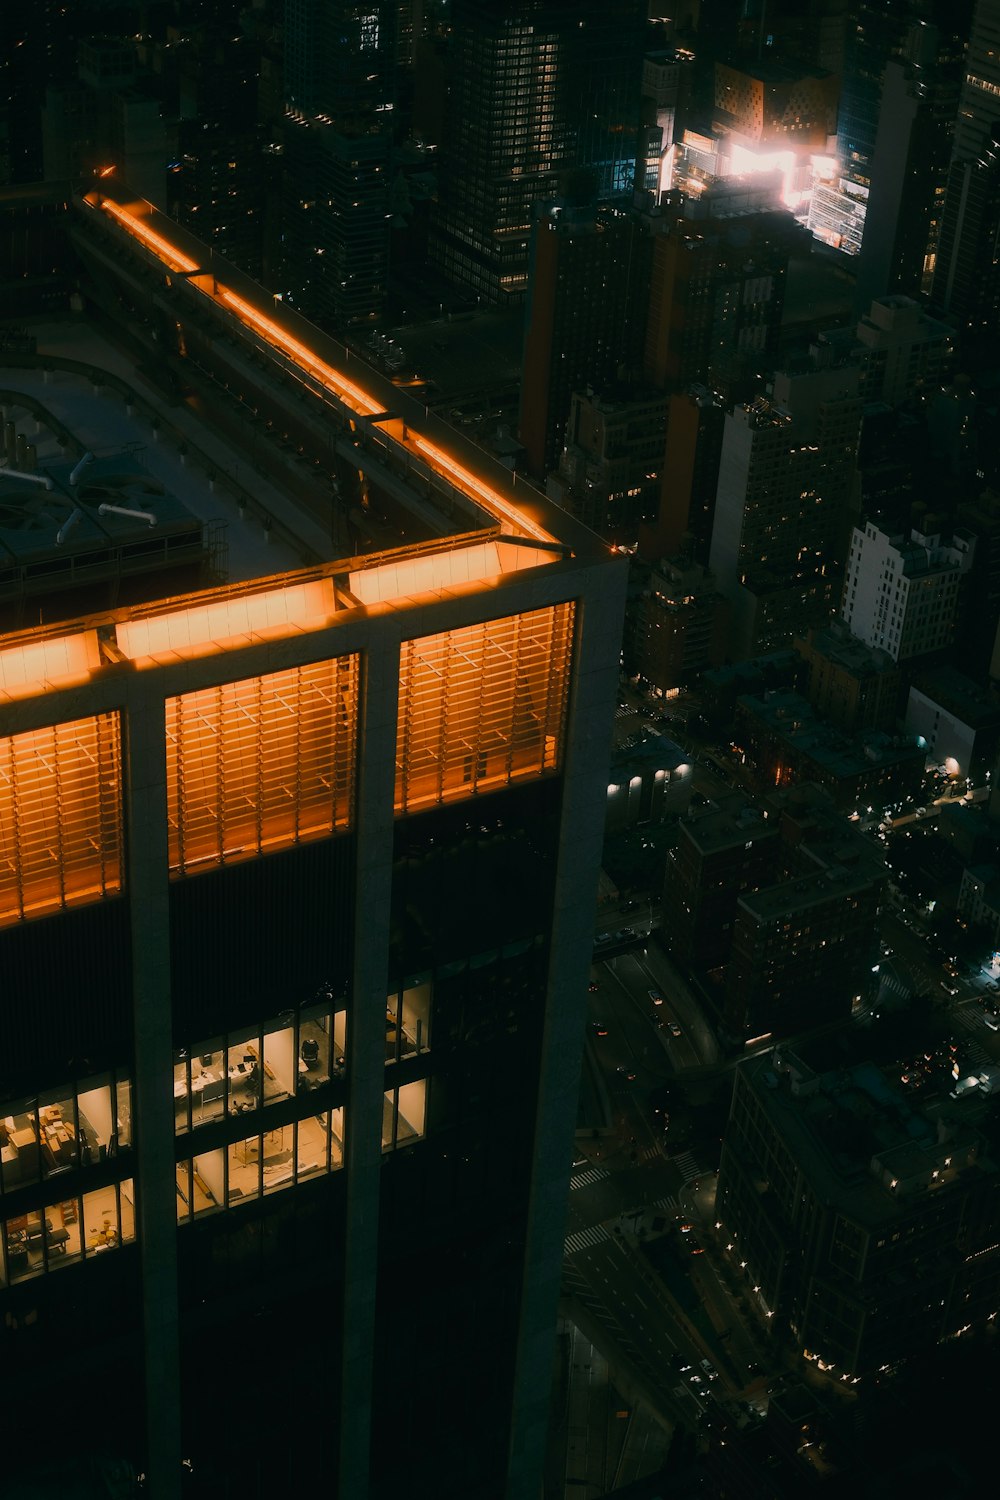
<point x="415" y="1019"/>
<point x="183" y="1186"/>
<point x="208" y="1083"/>
<point x="244" y="1069"/>
<point x="391" y="1027"/>
<point x="20" y="1153"/>
<point x="482" y="705"/>
<point x="314" y="1046"/>
<point x="63" y="1233"/>
<point x="25" y="1249"/>
<point x="410" y="1112"/>
<point x="123" y="1114"/>
<point x="280" y="1065"/>
<point x="261" y="763"/>
<point x="243" y="1162"/>
<point x="278" y="1157"/>
<point x="126" y="1194"/>
<point x="339" y="1059"/>
<point x="312" y="1145"/>
<point x="57" y="1135"/>
<point x="100" y="1220"/>
<point x="95" y="1121"/>
<point x="208" y="1182"/>
<point x="182" y="1093"/>
<point x="60" y="816"/>
<point x="388" y="1119"/>
<point x="336" y="1139"/>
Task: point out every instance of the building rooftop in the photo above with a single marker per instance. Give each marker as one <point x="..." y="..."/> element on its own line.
<point x="834" y="881"/>
<point x="791" y="719"/>
<point x="479" y="523"/>
<point x="727" y="822"/>
<point x="959" y="695"/>
<point x="866" y="1146"/>
<point x="838" y="646"/>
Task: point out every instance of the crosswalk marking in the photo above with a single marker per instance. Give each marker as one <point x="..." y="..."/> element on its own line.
<point x="688" y="1166"/>
<point x="589" y="1175"/>
<point x="583" y="1238"/>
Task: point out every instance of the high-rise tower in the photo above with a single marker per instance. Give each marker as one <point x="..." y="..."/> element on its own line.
<point x="339" y="89"/>
<point x="538" y="88"/>
<point x="296" y="892"/>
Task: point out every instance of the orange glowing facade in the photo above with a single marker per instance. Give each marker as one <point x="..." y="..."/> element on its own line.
<point x="295" y="879"/>
<point x="60" y="817"/>
<point x="482" y="706"/>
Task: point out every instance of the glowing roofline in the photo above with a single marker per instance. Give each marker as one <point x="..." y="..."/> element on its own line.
<point x="348" y="392"/>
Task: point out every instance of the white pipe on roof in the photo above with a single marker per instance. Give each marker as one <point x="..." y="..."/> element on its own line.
<point x="123" y="510"/>
<point x="85" y="460"/>
<point x="42" y="479"/>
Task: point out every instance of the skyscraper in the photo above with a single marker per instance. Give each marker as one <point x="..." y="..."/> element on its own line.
<point x="585" y="288"/>
<point x="874" y="31"/>
<point x="786" y="480"/>
<point x="294" y="915"/>
<point x="967" y="276"/>
<point x="911" y="157"/>
<point x="340" y="90"/>
<point x="538" y="89"/>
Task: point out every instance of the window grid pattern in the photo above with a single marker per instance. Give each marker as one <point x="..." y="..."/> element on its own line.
<point x="60" y="816"/>
<point x="482" y="706"/>
<point x="260" y="764"/>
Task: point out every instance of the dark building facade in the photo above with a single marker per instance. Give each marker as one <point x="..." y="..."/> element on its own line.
<point x="340" y="81"/>
<point x="862" y="1218"/>
<point x="279" y="913"/>
<point x="536" y="90"/>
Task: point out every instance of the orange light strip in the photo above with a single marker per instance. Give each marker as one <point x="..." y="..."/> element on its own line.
<point x="347" y="391"/>
<point x="475" y="488"/>
<point x="153" y="241"/>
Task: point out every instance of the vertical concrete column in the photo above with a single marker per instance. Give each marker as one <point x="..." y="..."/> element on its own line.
<point x="594" y="683"/>
<point x="144" y="734"/>
<point x="366" y="1050"/>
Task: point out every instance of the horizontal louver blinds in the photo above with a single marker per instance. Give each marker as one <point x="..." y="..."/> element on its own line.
<point x="60" y="816"/>
<point x="260" y="764"/>
<point x="482" y="706"/>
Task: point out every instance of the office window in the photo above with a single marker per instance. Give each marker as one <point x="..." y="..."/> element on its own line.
<point x="266" y="1162"/>
<point x="63" y="1128"/>
<point x="66" y="1230"/>
<point x="482" y="706"/>
<point x="260" y="764"/>
<point x="403" y="1114"/>
<point x="60" y="816"/>
<point x="407" y="1022"/>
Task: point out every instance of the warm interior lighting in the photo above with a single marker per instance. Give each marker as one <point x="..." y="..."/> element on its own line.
<point x="260" y="764"/>
<point x="141" y="231"/>
<point x="223" y="624"/>
<point x="41" y="664"/>
<point x="481" y="706"/>
<point x="60" y="816"/>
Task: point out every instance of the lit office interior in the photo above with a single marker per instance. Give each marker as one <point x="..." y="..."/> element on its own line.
<point x="68" y="1230"/>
